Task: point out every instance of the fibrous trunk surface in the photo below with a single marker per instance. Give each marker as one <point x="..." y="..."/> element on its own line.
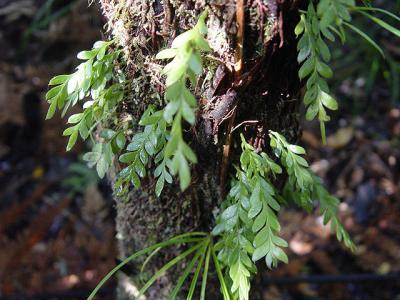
<point x="250" y="85"/>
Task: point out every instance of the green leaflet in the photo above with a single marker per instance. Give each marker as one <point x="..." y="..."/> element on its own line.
<point x="315" y="27"/>
<point x="328" y="210"/>
<point x="306" y="187"/>
<point x="248" y="226"/>
<point x="300" y="179"/>
<point x="102" y="154"/>
<point x="314" y="54"/>
<point x="99" y="91"/>
<point x="88" y="82"/>
<point x="186" y="64"/>
<point x="144" y="146"/>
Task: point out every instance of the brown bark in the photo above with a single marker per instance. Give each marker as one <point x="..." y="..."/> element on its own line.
<point x="254" y="89"/>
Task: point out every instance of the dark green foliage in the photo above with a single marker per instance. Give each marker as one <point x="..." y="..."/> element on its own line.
<point x="314" y="54"/>
<point x="320" y="24"/>
<point x="249" y="227"/>
<point x="145" y="145"/>
<point x="186" y="65"/>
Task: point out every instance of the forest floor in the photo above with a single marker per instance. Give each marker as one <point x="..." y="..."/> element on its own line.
<point x="57" y="236"/>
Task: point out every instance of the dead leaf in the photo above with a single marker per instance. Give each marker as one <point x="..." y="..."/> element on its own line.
<point x="341" y="138"/>
<point x="310" y="139"/>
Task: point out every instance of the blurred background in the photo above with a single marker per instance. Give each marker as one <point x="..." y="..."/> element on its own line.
<point x="57" y="235"/>
<point x="56" y="219"/>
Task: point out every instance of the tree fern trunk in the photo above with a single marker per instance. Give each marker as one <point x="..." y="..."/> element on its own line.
<point x="264" y="89"/>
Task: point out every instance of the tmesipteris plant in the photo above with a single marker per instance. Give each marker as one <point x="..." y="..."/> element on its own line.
<point x="247" y="227"/>
<point x="99" y="90"/>
<point x="320" y="23"/>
